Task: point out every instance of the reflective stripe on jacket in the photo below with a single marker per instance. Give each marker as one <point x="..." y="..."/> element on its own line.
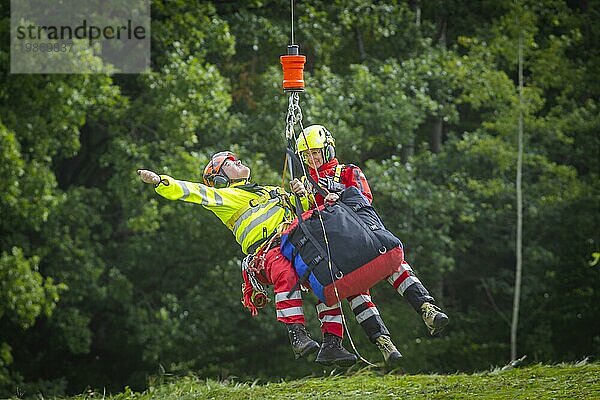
<point x="260" y="219"/>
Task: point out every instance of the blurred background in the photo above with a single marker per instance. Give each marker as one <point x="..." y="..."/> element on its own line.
<point x="105" y="284"/>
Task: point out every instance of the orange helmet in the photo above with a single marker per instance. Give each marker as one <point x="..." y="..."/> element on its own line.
<point x="213" y="175"/>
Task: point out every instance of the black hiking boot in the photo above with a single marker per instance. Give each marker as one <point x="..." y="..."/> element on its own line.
<point x="300" y="340"/>
<point x="333" y="353"/>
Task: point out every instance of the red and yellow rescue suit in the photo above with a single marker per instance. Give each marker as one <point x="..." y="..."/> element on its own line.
<point x="404" y="280"/>
<point x="254" y="214"/>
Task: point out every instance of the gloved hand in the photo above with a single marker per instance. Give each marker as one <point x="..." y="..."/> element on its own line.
<point x="298" y="187"/>
<point x="331" y="186"/>
<point x="148" y="176"/>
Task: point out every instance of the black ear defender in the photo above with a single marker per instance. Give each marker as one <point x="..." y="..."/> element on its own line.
<point x="220" y="180"/>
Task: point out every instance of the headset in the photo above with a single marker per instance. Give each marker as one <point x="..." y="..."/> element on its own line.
<point x="221" y="180"/>
<point x="329" y="147"/>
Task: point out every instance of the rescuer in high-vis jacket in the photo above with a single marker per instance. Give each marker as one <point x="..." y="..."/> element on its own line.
<point x="255" y="214"/>
<point x="317" y="149"/>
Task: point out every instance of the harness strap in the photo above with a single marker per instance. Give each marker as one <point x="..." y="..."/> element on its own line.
<point x="338" y="173"/>
<point x="316" y="185"/>
<point x="313" y="264"/>
<point x="295" y="164"/>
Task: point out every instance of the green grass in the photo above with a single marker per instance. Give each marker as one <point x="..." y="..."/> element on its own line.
<point x="563" y="381"/>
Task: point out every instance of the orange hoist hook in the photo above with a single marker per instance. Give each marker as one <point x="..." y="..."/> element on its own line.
<point x="293" y="69"/>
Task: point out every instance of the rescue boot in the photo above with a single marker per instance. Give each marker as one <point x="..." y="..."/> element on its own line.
<point x="391" y="355"/>
<point x="434" y="318"/>
<point x="301" y="342"/>
<point x="333" y="353"/>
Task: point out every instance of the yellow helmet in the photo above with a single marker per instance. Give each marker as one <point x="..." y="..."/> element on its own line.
<point x="317" y="137"/>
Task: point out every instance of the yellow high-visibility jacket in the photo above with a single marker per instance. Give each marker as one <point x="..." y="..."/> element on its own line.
<point x="252" y="215"/>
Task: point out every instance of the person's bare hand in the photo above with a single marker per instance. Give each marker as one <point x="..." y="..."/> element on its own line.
<point x="298" y="187"/>
<point x="331" y="198"/>
<point x="148" y="176"/>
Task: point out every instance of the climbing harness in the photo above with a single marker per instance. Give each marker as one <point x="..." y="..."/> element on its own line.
<point x="254" y="294"/>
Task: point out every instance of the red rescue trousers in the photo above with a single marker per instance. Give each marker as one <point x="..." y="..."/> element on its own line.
<point x="280" y="273"/>
<point x="366" y="311"/>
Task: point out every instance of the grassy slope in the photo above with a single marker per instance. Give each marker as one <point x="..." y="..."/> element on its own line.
<point x="533" y="382"/>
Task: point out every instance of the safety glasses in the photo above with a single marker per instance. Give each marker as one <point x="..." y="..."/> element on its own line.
<point x="310" y="154"/>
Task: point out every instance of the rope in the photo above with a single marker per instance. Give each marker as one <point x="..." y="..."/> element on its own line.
<point x="294" y="117"/>
<point x="285" y="163"/>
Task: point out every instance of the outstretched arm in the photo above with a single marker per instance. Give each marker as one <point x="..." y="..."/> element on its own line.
<point x="174" y="189"/>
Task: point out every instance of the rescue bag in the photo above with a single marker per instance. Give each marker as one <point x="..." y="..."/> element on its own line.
<point x="362" y="251"/>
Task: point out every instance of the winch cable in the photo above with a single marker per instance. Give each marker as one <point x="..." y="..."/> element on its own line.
<point x="293" y="83"/>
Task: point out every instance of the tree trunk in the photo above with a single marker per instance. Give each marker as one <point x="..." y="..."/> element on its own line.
<point x="407" y="151"/>
<point x="416" y="5"/>
<point x="361" y="45"/>
<point x="519" y="243"/>
<point x="443" y="28"/>
<point x="435" y="134"/>
<point x="436" y="129"/>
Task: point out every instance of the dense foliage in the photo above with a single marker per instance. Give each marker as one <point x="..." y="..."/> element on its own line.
<point x="103" y="283"/>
